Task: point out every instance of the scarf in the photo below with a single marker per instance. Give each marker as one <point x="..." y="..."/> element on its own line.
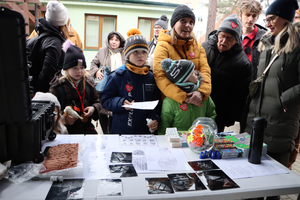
<point x="115" y="60"/>
<point x="137" y="70"/>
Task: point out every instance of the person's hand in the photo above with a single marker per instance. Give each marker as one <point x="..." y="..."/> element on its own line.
<point x="99" y="74"/>
<point x="88" y="111"/>
<point x="194" y="98"/>
<point x="154" y="125"/>
<point x="126" y="102"/>
<point x="70" y="120"/>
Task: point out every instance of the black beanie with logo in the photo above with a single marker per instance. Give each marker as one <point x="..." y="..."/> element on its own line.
<point x="73" y="55"/>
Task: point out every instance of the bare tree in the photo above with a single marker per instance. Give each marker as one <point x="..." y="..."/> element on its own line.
<point x="212" y="12"/>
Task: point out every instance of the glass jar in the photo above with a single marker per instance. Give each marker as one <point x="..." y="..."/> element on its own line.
<point x="201" y="138"/>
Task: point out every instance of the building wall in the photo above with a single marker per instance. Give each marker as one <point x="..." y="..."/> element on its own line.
<point x="127" y="16"/>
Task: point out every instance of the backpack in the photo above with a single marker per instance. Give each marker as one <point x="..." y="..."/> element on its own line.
<point x="32" y="47"/>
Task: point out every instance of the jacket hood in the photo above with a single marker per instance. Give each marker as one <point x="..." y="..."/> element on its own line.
<point x="45" y="26"/>
<point x="122" y="42"/>
<point x="213" y="40"/>
<point x="165" y="35"/>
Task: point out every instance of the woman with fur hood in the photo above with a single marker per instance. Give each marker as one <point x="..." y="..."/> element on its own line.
<point x="278" y="96"/>
<point x="111" y="55"/>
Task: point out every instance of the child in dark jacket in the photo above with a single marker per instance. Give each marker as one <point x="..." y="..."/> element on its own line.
<point x="132" y="82"/>
<point x="75" y="91"/>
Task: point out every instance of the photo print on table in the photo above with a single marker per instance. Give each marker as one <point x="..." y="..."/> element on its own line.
<point x="121" y="157"/>
<point x="109" y="187"/>
<point x="203" y="165"/>
<point x="186" y="182"/>
<point x="217" y="180"/>
<point x="159" y="186"/>
<point x="122" y="170"/>
<point x="68" y="189"/>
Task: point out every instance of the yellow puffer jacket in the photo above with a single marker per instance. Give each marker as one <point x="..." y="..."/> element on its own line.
<point x="190" y="51"/>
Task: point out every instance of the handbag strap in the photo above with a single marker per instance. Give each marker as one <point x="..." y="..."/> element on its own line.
<point x="268" y="67"/>
<point x="105" y="57"/>
<point x="178" y="52"/>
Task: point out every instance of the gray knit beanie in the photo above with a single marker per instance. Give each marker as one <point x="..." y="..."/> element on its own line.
<point x="56" y="13"/>
<point x="181" y="12"/>
<point x="283" y="8"/>
<point x="163" y="22"/>
<point x="232" y="25"/>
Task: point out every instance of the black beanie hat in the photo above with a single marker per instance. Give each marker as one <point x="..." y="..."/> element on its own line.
<point x="181" y="12"/>
<point x="163" y="22"/>
<point x="73" y="55"/>
<point x="135" y="41"/>
<point x="283" y="8"/>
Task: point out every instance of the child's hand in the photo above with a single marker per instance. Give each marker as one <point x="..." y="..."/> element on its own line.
<point x="126" y="102"/>
<point x="88" y="111"/>
<point x="70" y="120"/>
<point x="154" y="125"/>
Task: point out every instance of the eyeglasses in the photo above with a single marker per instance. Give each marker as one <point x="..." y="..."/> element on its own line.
<point x="270" y="20"/>
<point x="221" y="36"/>
<point x="157" y="28"/>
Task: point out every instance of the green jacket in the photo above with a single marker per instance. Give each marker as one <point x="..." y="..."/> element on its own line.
<point x="278" y="98"/>
<point x="182" y="116"/>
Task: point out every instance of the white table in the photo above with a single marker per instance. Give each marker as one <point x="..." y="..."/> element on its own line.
<point x="135" y="187"/>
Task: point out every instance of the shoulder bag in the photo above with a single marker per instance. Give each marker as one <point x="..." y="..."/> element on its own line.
<point x="254" y="85"/>
<point x="105" y="70"/>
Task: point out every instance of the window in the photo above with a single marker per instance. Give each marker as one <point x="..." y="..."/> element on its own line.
<point x="97" y="28"/>
<point x="145" y="25"/>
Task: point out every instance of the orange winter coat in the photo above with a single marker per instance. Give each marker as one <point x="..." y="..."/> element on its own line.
<point x="188" y="50"/>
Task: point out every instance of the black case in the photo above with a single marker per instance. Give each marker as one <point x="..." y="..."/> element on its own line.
<point x="24" y="125"/>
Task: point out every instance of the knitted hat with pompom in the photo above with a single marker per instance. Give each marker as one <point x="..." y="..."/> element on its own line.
<point x="178" y="72"/>
<point x="73" y="55"/>
<point x="135" y="41"/>
<point x="163" y="22"/>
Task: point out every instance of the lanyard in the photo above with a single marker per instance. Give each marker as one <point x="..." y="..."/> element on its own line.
<point x="81" y="98"/>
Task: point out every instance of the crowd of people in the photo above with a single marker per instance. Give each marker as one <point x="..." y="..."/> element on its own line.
<point x="189" y="79"/>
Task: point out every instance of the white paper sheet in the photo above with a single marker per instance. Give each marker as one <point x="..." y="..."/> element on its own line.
<point x="137" y="140"/>
<point x="146" y="105"/>
<point x="164" y="159"/>
<point x="240" y="168"/>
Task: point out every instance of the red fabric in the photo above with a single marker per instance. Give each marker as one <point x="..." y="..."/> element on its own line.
<point x="248" y="42"/>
